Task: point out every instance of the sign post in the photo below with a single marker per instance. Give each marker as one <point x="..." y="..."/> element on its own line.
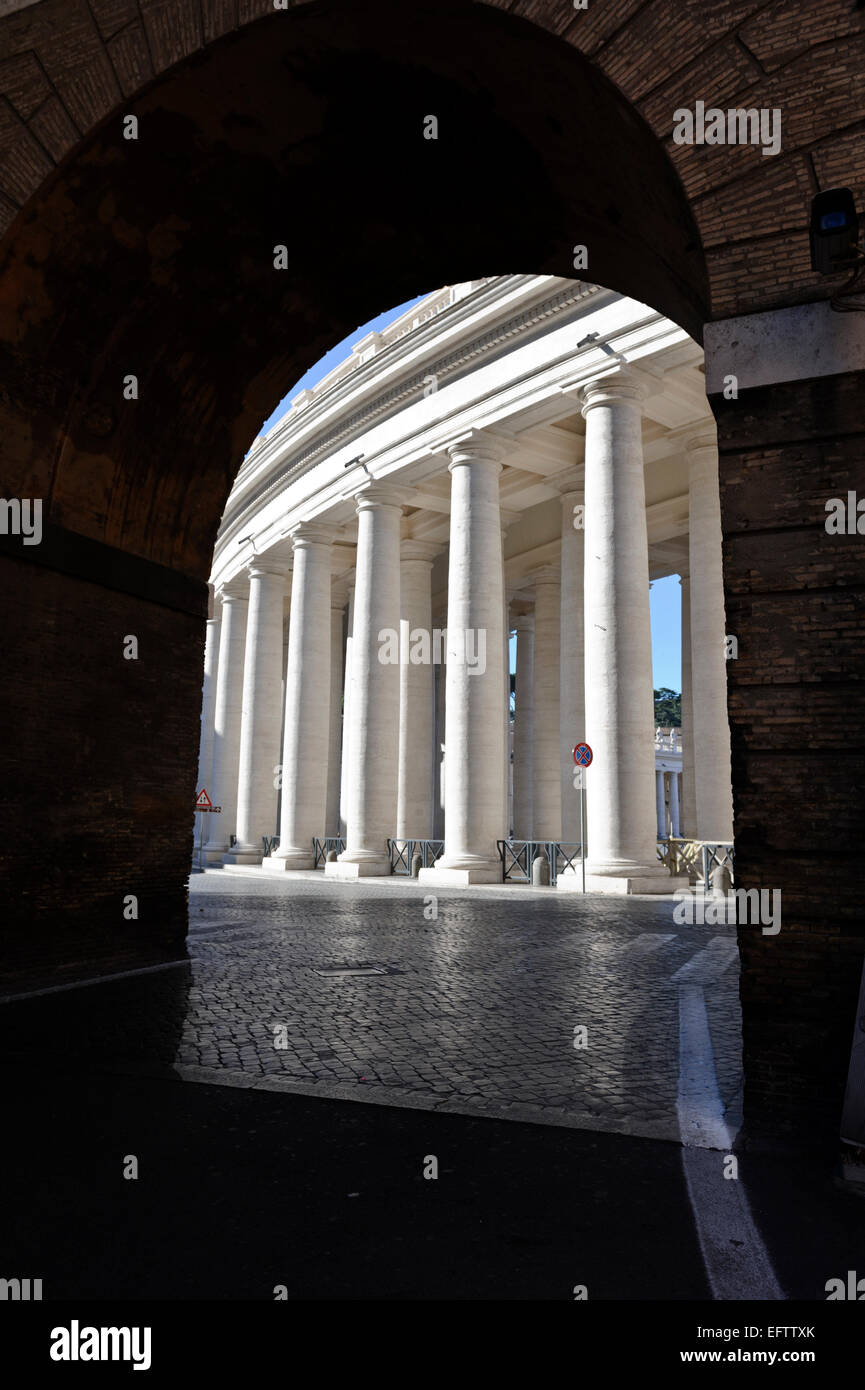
<point x="583" y="756"/>
<point x="204" y="803"/>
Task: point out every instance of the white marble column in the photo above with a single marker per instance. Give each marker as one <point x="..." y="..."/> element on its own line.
<point x="307" y="700"/>
<point x="374" y="695"/>
<point x="506" y="677"/>
<point x="226" y="724"/>
<point x="620" y="788"/>
<point x="261" y="713"/>
<point x="344" y="766"/>
<point x="674" y="804"/>
<point x="688" y="809"/>
<point x="708" y="663"/>
<point x="439" y="747"/>
<point x="205" y="743"/>
<point x="523" y="734"/>
<point x="546" y="752"/>
<point x="338" y="600"/>
<point x="475" y="719"/>
<point x="414" y="813"/>
<point x="572" y="702"/>
<point x="277" y="762"/>
<point x="661" y="798"/>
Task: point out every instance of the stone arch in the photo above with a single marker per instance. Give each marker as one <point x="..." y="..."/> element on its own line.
<point x="153" y="259"/>
<point x="65" y="65"/>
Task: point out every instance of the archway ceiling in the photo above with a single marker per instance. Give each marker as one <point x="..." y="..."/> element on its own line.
<point x="154" y="257"/>
<point x="66" y="64"/>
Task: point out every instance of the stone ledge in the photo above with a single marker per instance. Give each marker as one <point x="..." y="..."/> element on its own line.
<point x="459" y="878"/>
<point x="349" y="872"/>
<point x="657" y="885"/>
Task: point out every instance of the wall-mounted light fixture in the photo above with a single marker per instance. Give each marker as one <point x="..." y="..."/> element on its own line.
<point x="834" y="231"/>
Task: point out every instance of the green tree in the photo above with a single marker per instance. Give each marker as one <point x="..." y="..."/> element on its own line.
<point x="668" y="708"/>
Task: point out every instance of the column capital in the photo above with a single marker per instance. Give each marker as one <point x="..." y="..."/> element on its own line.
<point x="547" y="574"/>
<point x="516" y="594"/>
<point x="312" y="533"/>
<point x="473" y="446"/>
<point x="426" y="551"/>
<point x="569" y="482"/>
<point x="379" y="495"/>
<point x="339" y="594"/>
<point x="260" y="565"/>
<point x="571" y="500"/>
<point x="623" y="387"/>
<point x="523" y="622"/>
<point x="701" y="447"/>
<point x="235" y="591"/>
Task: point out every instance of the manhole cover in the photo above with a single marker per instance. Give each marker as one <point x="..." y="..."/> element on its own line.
<point x="342" y="972"/>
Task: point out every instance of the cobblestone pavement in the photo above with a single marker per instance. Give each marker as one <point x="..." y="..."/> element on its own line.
<point x="474" y="1012"/>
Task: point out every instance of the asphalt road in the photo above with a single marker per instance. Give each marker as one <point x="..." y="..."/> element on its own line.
<point x="239" y="1192"/>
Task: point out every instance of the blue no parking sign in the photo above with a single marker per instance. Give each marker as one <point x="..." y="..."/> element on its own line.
<point x="583" y="757"/>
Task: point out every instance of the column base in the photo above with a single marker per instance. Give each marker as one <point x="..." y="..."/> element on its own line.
<point x="374" y="866"/>
<point x="461" y="871"/>
<point x="243" y="855"/>
<point x="628" y="879"/>
<point x="213" y="856"/>
<point x="293" y="859"/>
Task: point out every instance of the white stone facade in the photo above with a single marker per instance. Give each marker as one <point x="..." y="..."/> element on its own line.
<point x="522" y="453"/>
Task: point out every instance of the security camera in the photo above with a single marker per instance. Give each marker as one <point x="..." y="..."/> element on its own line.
<point x="834" y="231"/>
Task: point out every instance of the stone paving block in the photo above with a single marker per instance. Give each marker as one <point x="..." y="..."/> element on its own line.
<point x="464" y="1023"/>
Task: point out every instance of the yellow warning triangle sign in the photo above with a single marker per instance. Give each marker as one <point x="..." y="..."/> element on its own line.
<point x="203" y="801"/>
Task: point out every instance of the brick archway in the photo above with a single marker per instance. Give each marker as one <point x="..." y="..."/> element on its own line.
<point x="154" y="258"/>
<point x="66" y="66"/>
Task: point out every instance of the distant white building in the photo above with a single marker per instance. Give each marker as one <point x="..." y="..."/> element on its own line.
<point x="668" y="781"/>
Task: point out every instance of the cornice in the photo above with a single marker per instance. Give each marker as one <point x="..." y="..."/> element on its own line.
<point x="413" y="386"/>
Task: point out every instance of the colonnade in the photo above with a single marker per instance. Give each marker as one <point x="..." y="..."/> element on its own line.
<point x="668" y="803"/>
<point x="362" y="735"/>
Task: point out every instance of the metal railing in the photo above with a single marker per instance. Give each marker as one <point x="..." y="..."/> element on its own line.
<point x="717" y="856"/>
<point x="270" y="843"/>
<point x="321" y="849"/>
<point x="402" y="852"/>
<point x="517" y="856"/>
<point x="697" y="858"/>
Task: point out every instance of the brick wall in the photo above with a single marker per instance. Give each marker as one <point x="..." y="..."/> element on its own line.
<point x="98" y="771"/>
<point x="65" y="64"/>
<point x="153" y="257"/>
<point x="795" y="598"/>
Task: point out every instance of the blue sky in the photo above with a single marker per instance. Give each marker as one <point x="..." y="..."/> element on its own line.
<point x="665" y="594"/>
<point x="665" y="603"/>
<point x="336" y="355"/>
